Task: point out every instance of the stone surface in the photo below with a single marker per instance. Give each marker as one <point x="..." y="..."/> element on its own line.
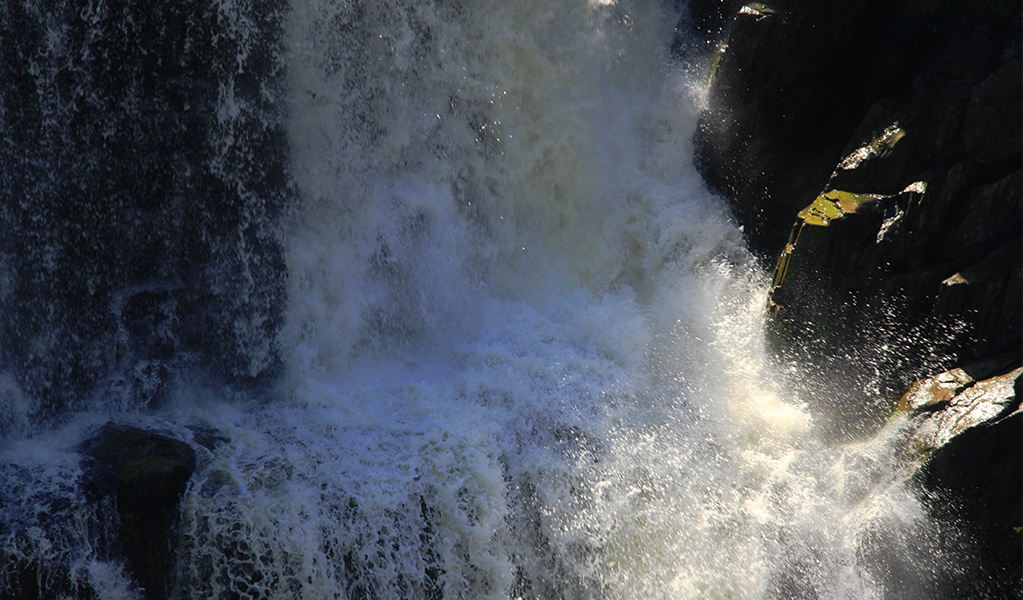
<point x="874" y="148"/>
<point x="146" y="474"/>
<point x="947" y="404"/>
<point x="783" y="103"/>
<point x="800" y="84"/>
<point x="965" y="445"/>
<point x="128" y="198"/>
<point x="908" y="112"/>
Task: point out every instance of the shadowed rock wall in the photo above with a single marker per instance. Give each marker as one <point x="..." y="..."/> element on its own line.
<point x="143" y="176"/>
<point x="871" y="150"/>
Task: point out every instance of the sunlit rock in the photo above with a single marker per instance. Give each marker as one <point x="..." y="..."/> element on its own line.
<point x="862" y="124"/>
<point x="965" y="445"/>
<point x="783" y="102"/>
<point x="949" y="403"/>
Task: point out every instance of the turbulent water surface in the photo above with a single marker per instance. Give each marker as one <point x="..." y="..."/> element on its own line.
<point x="518" y="352"/>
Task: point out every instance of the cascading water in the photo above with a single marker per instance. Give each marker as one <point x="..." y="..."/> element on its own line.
<point x="521" y="348"/>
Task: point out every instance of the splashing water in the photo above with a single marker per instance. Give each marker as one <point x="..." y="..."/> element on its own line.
<point x="522" y="345"/>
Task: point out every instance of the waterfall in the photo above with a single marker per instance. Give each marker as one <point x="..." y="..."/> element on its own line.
<point x="437" y="297"/>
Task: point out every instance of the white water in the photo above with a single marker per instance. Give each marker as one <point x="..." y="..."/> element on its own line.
<point x="523" y="343"/>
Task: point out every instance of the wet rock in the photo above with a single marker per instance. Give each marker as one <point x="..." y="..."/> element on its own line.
<point x="146" y="474"/>
<point x="784" y="100"/>
<point x="125" y="188"/>
<point x="874" y="147"/>
<point x="948" y="404"/>
<point x="800" y="84"/>
<point x="890" y="134"/>
<point x="935" y="266"/>
<point x="966" y="446"/>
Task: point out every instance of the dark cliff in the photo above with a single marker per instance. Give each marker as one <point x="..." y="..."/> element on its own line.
<point x="871" y="150"/>
<point x="142" y="183"/>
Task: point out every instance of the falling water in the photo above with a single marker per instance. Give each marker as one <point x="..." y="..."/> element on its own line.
<point x="521" y="352"/>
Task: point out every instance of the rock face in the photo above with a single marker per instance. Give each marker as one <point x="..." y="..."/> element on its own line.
<point x="784" y="101"/>
<point x="904" y="118"/>
<point x="965" y="431"/>
<point x="871" y="150"/>
<point x="146" y="475"/>
<point x="138" y="220"/>
<point x="800" y="84"/>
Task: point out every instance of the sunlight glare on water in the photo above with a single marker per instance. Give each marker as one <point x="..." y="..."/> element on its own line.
<point x="507" y="260"/>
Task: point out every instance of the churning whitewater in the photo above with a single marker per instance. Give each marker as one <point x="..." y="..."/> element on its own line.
<point x="523" y="344"/>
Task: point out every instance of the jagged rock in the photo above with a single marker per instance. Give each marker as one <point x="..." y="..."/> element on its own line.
<point x="146" y="473"/>
<point x="966" y="438"/>
<point x="889" y="133"/>
<point x="939" y="256"/>
<point x="947" y="404"/>
<point x="783" y="102"/>
<point x="904" y="118"/>
<point x="796" y="79"/>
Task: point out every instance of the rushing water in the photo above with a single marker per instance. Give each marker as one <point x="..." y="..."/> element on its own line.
<point x="521" y="351"/>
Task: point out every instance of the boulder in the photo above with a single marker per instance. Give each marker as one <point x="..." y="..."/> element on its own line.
<point x="146" y="474"/>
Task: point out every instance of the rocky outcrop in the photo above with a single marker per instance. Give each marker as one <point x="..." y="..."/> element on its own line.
<point x="947" y="404"/>
<point x="889" y="133"/>
<point x="797" y="85"/>
<point x="964" y="447"/>
<point x="871" y="150"/>
<point x="904" y="120"/>
<point x="145" y="473"/>
<point x="783" y="102"/>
